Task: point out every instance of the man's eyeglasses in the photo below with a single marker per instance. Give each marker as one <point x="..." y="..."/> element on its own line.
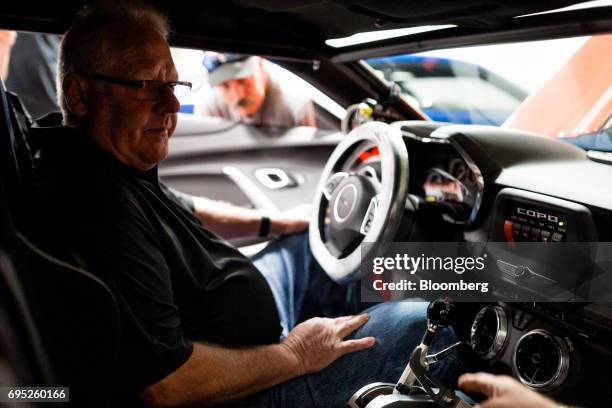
<point x="148" y="89"/>
<point x="213" y="60"/>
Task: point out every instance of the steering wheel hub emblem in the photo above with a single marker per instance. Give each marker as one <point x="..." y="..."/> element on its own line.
<point x="345" y="202"/>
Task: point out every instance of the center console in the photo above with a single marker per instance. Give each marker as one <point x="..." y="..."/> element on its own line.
<point x="543" y="247"/>
<point x="523" y="216"/>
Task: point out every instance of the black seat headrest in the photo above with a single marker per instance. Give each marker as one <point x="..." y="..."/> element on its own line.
<point x="16" y="156"/>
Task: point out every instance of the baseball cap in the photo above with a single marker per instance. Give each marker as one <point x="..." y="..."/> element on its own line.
<point x="223" y="67"/>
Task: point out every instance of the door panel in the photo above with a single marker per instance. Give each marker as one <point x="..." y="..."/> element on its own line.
<point x="229" y="162"/>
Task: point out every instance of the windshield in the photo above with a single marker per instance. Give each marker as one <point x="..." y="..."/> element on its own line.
<point x="452" y="90"/>
<point x="557" y="88"/>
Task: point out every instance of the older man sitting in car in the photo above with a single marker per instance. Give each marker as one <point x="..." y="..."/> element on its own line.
<point x="201" y="323"/>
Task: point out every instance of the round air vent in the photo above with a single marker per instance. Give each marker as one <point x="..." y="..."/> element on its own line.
<point x="541" y="360"/>
<point x="489" y="331"/>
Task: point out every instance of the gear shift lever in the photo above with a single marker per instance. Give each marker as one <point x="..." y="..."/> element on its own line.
<point x="439" y="314"/>
<point x="417" y="375"/>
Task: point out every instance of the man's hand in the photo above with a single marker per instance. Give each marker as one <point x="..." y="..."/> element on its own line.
<point x="317" y="342"/>
<point x="291" y="221"/>
<point x="503" y="391"/>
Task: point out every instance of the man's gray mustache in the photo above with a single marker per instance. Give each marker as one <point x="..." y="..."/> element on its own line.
<point x="242" y="103"/>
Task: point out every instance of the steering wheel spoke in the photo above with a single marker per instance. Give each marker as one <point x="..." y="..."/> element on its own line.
<point x="370" y="214"/>
<point x="332" y="183"/>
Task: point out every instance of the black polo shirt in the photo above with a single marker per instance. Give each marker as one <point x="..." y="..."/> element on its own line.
<point x="175" y="281"/>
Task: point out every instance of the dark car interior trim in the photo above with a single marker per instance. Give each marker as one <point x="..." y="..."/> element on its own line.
<point x="514" y="166"/>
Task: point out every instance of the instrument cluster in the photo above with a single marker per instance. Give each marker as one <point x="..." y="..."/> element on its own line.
<point x="455" y="187"/>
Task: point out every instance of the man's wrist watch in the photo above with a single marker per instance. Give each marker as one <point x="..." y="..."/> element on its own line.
<point x="264" y="226"/>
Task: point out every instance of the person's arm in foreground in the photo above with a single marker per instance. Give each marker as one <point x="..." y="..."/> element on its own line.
<point x="230" y="221"/>
<point x="7" y="40"/>
<point x="503" y="391"/>
<point x="214" y="374"/>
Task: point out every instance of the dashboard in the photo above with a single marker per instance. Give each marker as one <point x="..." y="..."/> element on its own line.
<point x="507" y="188"/>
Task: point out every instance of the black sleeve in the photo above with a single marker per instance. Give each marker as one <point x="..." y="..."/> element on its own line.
<point x="127" y="254"/>
<point x="185" y="199"/>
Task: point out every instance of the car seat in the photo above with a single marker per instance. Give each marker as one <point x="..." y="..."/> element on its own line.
<point x="74" y="313"/>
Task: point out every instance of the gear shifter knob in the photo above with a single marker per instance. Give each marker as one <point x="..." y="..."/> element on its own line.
<point x="441" y="313"/>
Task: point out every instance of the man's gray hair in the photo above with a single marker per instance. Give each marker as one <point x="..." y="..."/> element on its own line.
<point x="87" y="48"/>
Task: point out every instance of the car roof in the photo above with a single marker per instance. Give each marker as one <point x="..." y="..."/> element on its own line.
<point x="299" y="28"/>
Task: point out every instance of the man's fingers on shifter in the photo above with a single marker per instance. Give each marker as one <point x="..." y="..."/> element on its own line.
<point x="352" y="324"/>
<point x="482" y="383"/>
<point x="350" y="346"/>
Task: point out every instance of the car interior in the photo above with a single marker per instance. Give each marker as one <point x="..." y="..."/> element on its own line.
<point x="418" y="180"/>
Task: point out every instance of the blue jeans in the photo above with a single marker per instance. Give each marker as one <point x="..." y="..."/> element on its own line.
<point x="302" y="290"/>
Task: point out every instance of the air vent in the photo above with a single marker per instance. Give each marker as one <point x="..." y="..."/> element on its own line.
<point x="541" y="360"/>
<point x="489" y="331"/>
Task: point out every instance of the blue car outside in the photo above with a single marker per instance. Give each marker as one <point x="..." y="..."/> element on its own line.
<point x="451" y="90"/>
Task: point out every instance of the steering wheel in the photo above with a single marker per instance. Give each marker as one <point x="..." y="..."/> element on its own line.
<point x="354" y="207"/>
